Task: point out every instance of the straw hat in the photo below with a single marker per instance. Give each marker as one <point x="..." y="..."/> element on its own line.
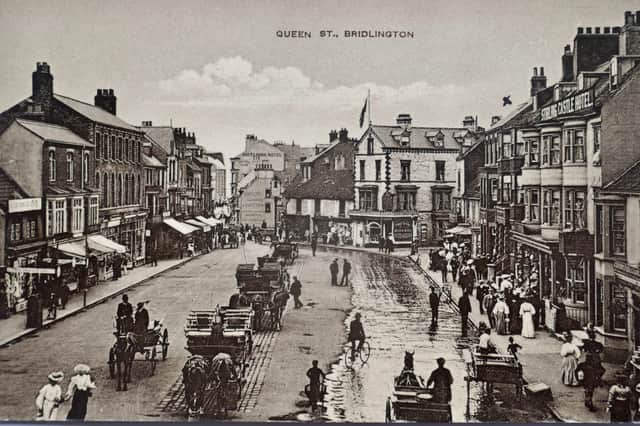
<point x="81" y="369"/>
<point x="56" y="376"/>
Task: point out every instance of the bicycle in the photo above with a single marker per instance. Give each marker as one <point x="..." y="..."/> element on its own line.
<point x="362" y="351"/>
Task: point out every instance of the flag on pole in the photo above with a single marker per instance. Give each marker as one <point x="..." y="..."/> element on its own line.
<point x="364" y="109"/>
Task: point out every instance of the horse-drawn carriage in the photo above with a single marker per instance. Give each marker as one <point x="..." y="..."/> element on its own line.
<point x="150" y="344"/>
<point x="413" y="401"/>
<point x="229" y="238"/>
<point x="220" y="343"/>
<point x="265" y="234"/>
<point x="286" y="251"/>
<point x="263" y="289"/>
<point x="492" y="368"/>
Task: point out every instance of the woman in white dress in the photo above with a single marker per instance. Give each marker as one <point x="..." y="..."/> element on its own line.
<point x="527" y="311"/>
<point x="501" y="316"/>
<point x="570" y="355"/>
<point x="50" y="397"/>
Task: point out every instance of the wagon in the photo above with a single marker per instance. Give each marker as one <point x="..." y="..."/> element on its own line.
<point x="219" y="341"/>
<point x="263" y="289"/>
<point x="413" y="401"/>
<point x="265" y="234"/>
<point x="229" y="238"/>
<point x="152" y="344"/>
<point x="492" y="368"/>
<point x="286" y="251"/>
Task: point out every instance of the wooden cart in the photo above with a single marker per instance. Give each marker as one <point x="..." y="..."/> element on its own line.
<point x="492" y="368"/>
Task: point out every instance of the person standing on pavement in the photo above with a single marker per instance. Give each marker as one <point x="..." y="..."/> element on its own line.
<point x="434" y="303"/>
<point x="334" y="269"/>
<point x="442" y="380"/>
<point x="296" y="291"/>
<point x="526" y="313"/>
<point x="570" y="355"/>
<point x="346" y="270"/>
<point x="314" y="243"/>
<point x="589" y="373"/>
<point x="464" y="304"/>
<point x="619" y="403"/>
<point x="500" y="313"/>
<point x="488" y="302"/>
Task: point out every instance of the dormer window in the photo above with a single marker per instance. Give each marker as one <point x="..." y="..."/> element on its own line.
<point x="439" y="141"/>
<point x="370" y="145"/>
<point x="404" y="140"/>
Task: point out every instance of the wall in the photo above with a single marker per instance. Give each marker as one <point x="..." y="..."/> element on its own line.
<point x="21" y="158"/>
<point x="620" y="130"/>
<point x="3" y="238"/>
<point x="633" y="230"/>
<point x="252" y="203"/>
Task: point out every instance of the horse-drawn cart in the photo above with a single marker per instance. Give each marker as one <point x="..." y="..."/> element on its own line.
<point x="152" y="344"/>
<point x="229" y="238"/>
<point x="263" y="289"/>
<point x="220" y="343"/>
<point x="413" y="401"/>
<point x="492" y="368"/>
<point x="286" y="251"/>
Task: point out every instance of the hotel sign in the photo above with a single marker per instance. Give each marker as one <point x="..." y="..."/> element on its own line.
<point x="578" y="102"/>
<point x="24" y="205"/>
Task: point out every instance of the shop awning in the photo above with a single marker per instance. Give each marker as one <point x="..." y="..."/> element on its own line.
<point x="203" y="226"/>
<point x="459" y="230"/>
<point x="104" y="244"/>
<point x="76" y="248"/>
<point x="210" y="221"/>
<point x="181" y="227"/>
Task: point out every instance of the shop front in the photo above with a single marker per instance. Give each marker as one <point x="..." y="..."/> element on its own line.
<point x="22" y="278"/>
<point x="369" y="229"/>
<point x="333" y="230"/>
<point x="128" y="231"/>
<point x="176" y="239"/>
<point x="204" y="238"/>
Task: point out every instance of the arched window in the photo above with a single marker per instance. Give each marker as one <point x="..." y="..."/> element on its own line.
<point x="70" y="166"/>
<point x="105" y="147"/>
<point x="98" y="144"/>
<point x="113" y="148"/>
<point x="120" y="149"/>
<point x="52" y="165"/>
<point x="127" y="197"/>
<point x="105" y="191"/>
<point x="85" y="167"/>
<point x="127" y="150"/>
<point x="138" y="187"/>
<point x="112" y="199"/>
<point x="132" y="189"/>
<point x="119" y="190"/>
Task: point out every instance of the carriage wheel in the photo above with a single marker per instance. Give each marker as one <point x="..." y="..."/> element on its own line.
<point x="365" y="352"/>
<point x="112" y="364"/>
<point x="153" y="360"/>
<point x="348" y="362"/>
<point x="165" y="344"/>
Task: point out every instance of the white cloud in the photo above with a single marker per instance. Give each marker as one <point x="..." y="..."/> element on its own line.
<point x="232" y="82"/>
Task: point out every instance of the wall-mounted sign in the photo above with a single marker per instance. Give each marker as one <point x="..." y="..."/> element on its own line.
<point x="403" y="230"/>
<point x="25" y="205"/>
<point x="572" y="104"/>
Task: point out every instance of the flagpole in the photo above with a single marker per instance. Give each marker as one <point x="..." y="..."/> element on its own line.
<point x="369" y="102"/>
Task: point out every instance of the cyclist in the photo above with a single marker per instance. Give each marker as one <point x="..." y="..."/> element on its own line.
<point x="316" y="377"/>
<point x="356" y="333"/>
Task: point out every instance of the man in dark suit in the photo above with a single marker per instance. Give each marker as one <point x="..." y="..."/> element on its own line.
<point x="464" y="304"/>
<point x="434" y="303"/>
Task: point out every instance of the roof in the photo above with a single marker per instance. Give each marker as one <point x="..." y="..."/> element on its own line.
<point x="55" y="190"/>
<point x="162" y="135"/>
<point x="54" y="133"/>
<point x="419" y="137"/>
<point x="151" y="161"/>
<point x="321" y="153"/>
<point x="245" y="181"/>
<point x="627" y="182"/>
<point x="515" y="112"/>
<point x="156" y="150"/>
<point x="181" y="227"/>
<point x="94" y="113"/>
<point x="218" y="164"/>
<point x="330" y="185"/>
<point x="9" y="187"/>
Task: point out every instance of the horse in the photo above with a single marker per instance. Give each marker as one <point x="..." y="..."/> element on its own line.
<point x="222" y="373"/>
<point x="278" y="302"/>
<point x="408" y="360"/>
<point x="195" y="375"/>
<point x="239" y="300"/>
<point x="121" y="357"/>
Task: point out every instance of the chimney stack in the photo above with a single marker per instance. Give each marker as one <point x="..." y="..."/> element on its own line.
<point x="333" y="135"/>
<point x="343" y="135"/>
<point x="567" y="64"/>
<point x="404" y="120"/>
<point x="628" y="17"/>
<point x="42" y="87"/>
<point x="630" y="34"/>
<point x="538" y="82"/>
<point x="106" y="100"/>
<point x="469" y="122"/>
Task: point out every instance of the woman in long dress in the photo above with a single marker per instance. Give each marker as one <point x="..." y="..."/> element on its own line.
<point x="50" y="397"/>
<point x="570" y="355"/>
<point x="500" y="316"/>
<point x="527" y="311"/>
<point x="80" y="387"/>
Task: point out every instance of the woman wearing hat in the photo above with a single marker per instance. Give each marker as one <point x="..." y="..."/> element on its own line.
<point x="50" y="397"/>
<point x="570" y="355"/>
<point x="619" y="404"/>
<point x="80" y="387"/>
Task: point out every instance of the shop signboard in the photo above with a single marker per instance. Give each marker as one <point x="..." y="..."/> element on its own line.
<point x="570" y="105"/>
<point x="403" y="230"/>
<point x="25" y="205"/>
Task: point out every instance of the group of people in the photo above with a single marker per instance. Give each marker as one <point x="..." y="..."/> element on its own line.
<point x="127" y="321"/>
<point x="334" y="269"/>
<point x="386" y="245"/>
<point x="50" y="396"/>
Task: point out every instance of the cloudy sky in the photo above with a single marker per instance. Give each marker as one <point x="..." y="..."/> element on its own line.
<point x="218" y="68"/>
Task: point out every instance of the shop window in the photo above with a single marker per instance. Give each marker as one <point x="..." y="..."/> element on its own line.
<point x="405" y="167"/>
<point x="52" y="164"/>
<point x="378" y="169"/>
<point x="77" y="224"/>
<point x="298" y="206"/>
<point x="316" y="207"/>
<point x="362" y="168"/>
<point x="16" y="234"/>
<point x="574" y="211"/>
<point x="618" y="238"/>
<point x="618" y="311"/>
<point x="341" y="208"/>
<point x="575" y="279"/>
<point x="440" y="175"/>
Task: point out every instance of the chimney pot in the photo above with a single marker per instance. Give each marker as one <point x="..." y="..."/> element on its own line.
<point x="567" y="49"/>
<point x="607" y="30"/>
<point x="616" y="30"/>
<point x="535" y="71"/>
<point x="628" y="17"/>
<point x="597" y="30"/>
<point x="580" y="30"/>
<point x="588" y="29"/>
<point x="110" y="92"/>
<point x="542" y="71"/>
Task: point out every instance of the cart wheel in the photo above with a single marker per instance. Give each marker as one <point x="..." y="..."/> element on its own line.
<point x="165" y="344"/>
<point x="112" y="364"/>
<point x="365" y="352"/>
<point x="153" y="360"/>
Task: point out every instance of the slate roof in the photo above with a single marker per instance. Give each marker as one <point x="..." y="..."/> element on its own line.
<point x="158" y="151"/>
<point x="94" y="113"/>
<point x="245" y="181"/>
<point x="313" y="158"/>
<point x="418" y="136"/>
<point x="330" y="185"/>
<point x="511" y="115"/>
<point x="162" y="135"/>
<point x="151" y="161"/>
<point x="54" y="133"/>
<point x="8" y="187"/>
<point x="627" y="182"/>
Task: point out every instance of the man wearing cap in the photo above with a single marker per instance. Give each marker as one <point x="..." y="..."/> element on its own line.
<point x="434" y="304"/>
<point x="442" y="380"/>
<point x="356" y="333"/>
<point x="346" y="270"/>
<point x="296" y="291"/>
<point x="316" y="376"/>
<point x="334" y="269"/>
<point x="141" y="319"/>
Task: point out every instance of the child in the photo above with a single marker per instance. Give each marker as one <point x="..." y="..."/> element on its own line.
<point x="50" y="397"/>
<point x="513" y="348"/>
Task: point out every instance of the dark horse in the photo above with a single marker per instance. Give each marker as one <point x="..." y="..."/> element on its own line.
<point x="195" y="375"/>
<point x="200" y="375"/>
<point x="278" y="303"/>
<point x="121" y="357"/>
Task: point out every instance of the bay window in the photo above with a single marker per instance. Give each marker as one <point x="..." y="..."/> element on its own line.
<point x="77" y="215"/>
<point x="93" y="210"/>
<point x="532" y="211"/>
<point x="441" y="200"/>
<point x="551" y="207"/>
<point x="519" y="148"/>
<point x="618" y="237"/>
<point x="506" y="145"/>
<point x="574" y="145"/>
<point x="576" y="289"/>
<point x="574" y="210"/>
<point x="533" y="151"/>
<point x="596" y="138"/>
<point x="56" y="217"/>
<point x="618" y="307"/>
<point x="551" y="145"/>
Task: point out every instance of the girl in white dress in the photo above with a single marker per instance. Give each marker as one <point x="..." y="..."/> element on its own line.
<point x="50" y="397"/>
<point x="527" y="311"/>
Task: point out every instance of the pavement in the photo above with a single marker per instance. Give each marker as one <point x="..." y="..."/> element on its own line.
<point x="13" y="329"/>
